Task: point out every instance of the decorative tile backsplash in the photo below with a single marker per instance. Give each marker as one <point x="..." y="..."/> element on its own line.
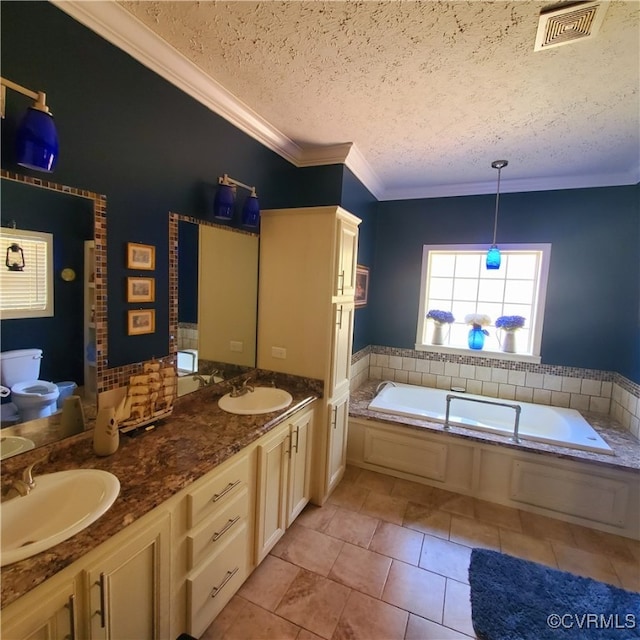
<point x="593" y="390"/>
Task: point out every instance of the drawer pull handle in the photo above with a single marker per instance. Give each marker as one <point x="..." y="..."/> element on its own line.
<point x="71" y="605"/>
<point x="226" y="490"/>
<point x="230" y="574"/>
<point x="297" y="437"/>
<point x="218" y="534"/>
<point x="339" y="314"/>
<point x="341" y="282"/>
<point x="101" y="584"/>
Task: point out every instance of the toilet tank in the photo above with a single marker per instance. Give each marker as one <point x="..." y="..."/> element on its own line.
<point x="19" y="366"/>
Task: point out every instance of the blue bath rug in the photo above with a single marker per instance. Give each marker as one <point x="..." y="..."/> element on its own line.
<point x="513" y="599"/>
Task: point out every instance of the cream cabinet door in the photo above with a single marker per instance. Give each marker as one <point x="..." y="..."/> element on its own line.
<point x="128" y="589"/>
<point x="346" y="254"/>
<point x="341" y="348"/>
<point x="337" y="442"/>
<point x="301" y="431"/>
<point x="273" y="463"/>
<point x="44" y="614"/>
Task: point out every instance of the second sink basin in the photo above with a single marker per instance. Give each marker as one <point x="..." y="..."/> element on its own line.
<point x="59" y="506"/>
<point x="260" y="400"/>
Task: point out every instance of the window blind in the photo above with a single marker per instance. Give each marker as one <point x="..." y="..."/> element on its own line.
<point x="27" y="293"/>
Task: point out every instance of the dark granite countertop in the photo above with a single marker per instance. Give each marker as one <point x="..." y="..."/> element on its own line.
<point x="626" y="448"/>
<point x="151" y="467"/>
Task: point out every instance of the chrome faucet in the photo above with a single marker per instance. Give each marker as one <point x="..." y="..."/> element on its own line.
<point x="203" y="381"/>
<point x="26" y="484"/>
<point x="383" y="384"/>
<point x="236" y="392"/>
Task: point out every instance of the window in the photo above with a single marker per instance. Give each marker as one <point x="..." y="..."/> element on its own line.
<point x="27" y="293"/>
<point x="454" y="278"/>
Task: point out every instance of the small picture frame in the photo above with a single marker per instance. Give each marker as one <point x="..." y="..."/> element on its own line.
<point x="141" y="321"/>
<point x="362" y="286"/>
<point x="141" y="289"/>
<point x="141" y="256"/>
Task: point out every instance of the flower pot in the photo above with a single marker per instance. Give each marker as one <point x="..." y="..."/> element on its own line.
<point x="438" y="333"/>
<point x="476" y="338"/>
<point x="508" y="343"/>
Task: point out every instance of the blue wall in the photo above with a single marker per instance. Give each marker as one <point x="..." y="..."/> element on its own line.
<point x="357" y="199"/>
<point x="127" y="133"/>
<point x="592" y="315"/>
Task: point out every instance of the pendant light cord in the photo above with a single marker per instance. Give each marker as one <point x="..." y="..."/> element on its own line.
<point x="499" y="165"/>
<point x="495" y="219"/>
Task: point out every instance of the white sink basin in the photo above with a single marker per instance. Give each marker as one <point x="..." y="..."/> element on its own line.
<point x="13" y="445"/>
<point x="260" y="400"/>
<point x="59" y="506"/>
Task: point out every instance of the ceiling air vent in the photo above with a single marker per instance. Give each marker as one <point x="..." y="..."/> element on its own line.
<point x="567" y="24"/>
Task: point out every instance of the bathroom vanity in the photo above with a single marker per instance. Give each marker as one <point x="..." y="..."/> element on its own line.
<point x="203" y="499"/>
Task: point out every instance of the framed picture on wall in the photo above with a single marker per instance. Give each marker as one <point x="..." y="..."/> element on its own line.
<point x="141" y="321"/>
<point x="141" y="256"/>
<point x="141" y="289"/>
<point x="362" y="286"/>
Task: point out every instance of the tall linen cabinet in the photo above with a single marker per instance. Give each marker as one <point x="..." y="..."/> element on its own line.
<point x="305" y="318"/>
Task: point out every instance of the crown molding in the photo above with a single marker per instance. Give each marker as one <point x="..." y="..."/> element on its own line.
<point x="119" y="27"/>
<point x="549" y="183"/>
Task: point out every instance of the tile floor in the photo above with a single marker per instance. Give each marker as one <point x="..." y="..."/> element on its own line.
<point x="387" y="559"/>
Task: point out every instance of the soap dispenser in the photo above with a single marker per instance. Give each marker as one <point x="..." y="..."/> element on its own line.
<point x="106" y="436"/>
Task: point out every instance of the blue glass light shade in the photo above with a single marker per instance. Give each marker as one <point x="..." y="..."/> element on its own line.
<point x="493" y="257"/>
<point x="37" y="141"/>
<point x="251" y="211"/>
<point x="224" y="202"/>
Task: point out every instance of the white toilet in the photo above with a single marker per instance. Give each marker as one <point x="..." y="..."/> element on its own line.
<point x="19" y="370"/>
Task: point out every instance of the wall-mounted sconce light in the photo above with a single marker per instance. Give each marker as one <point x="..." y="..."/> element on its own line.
<point x="224" y="202"/>
<point x="15" y="257"/>
<point x="36" y="139"/>
<point x="493" y="255"/>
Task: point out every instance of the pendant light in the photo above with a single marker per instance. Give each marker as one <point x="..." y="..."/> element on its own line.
<point x="493" y="255"/>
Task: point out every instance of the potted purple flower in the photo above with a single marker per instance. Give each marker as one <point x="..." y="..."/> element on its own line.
<point x="509" y="325"/>
<point x="440" y="319"/>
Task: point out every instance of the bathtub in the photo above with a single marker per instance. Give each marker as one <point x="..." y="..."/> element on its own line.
<point x="552" y="425"/>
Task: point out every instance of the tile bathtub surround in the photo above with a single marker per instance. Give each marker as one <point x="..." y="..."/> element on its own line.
<point x="623" y="443"/>
<point x="602" y="392"/>
<point x="341" y="573"/>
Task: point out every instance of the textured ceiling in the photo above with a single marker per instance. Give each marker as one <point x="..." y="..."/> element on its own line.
<point x="429" y="92"/>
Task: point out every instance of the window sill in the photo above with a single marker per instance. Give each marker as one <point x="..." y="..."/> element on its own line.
<point x="486" y="353"/>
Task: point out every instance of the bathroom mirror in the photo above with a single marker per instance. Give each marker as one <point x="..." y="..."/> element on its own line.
<point x="76" y="219"/>
<point x="217" y="302"/>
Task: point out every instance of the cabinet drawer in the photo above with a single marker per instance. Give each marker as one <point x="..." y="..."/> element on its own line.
<point x="210" y="588"/>
<point x="212" y="534"/>
<point x="217" y="492"/>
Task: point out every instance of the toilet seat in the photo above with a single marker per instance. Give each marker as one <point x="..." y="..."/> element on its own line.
<point x="40" y="388"/>
<point x="34" y="398"/>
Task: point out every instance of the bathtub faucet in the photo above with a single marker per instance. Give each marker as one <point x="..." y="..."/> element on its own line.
<point x="516" y="407"/>
<point x="383" y="384"/>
